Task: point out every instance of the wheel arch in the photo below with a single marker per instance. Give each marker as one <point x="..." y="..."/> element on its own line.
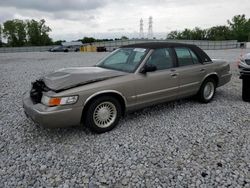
<point x="214" y="76"/>
<point x="116" y="94"/>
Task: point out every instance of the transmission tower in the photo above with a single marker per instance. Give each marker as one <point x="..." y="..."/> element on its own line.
<point x="150" y="27"/>
<point x="141" y="29"/>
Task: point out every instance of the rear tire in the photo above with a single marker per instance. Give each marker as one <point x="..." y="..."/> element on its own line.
<point x="207" y="90"/>
<point x="103" y="114"/>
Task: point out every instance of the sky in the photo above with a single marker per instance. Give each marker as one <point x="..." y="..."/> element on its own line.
<point x="74" y="19"/>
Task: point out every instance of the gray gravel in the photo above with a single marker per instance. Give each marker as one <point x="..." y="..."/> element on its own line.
<point x="177" y="144"/>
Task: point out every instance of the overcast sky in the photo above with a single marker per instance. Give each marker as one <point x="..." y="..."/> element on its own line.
<point x="73" y="19"/>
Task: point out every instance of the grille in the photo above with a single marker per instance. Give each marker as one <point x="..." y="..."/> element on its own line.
<point x="247" y="61"/>
<point x="36" y="93"/>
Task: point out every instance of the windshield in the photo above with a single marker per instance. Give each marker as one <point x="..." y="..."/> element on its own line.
<point x="124" y="59"/>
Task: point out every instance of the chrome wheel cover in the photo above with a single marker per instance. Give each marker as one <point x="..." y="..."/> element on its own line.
<point x="105" y="114"/>
<point x="209" y="90"/>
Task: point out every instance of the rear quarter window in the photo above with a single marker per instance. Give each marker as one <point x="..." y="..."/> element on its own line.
<point x="195" y="58"/>
<point x="184" y="56"/>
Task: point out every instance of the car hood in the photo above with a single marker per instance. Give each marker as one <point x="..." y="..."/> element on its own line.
<point x="76" y="76"/>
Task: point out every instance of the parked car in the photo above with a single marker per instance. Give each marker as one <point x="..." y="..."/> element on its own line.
<point x="65" y="49"/>
<point x="244" y="63"/>
<point x="132" y="77"/>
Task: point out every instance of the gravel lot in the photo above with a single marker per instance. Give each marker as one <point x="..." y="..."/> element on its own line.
<point x="177" y="144"/>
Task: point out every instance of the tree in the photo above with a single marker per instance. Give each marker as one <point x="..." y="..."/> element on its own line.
<point x="37" y="33"/>
<point x="195" y="34"/>
<point x="187" y="34"/>
<point x="219" y="33"/>
<point x="58" y="42"/>
<point x="240" y="27"/>
<point x="198" y="34"/>
<point x="88" y="40"/>
<point x="173" y="35"/>
<point x="14" y="31"/>
<point x="124" y="38"/>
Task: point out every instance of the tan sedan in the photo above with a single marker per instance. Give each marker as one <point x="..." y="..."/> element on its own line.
<point x="132" y="77"/>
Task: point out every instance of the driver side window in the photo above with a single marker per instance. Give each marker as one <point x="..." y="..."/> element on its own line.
<point x="161" y="58"/>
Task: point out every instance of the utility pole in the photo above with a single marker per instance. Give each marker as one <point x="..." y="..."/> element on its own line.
<point x="141" y="29"/>
<point x="150" y="27"/>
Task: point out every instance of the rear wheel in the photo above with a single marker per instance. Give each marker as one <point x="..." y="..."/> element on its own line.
<point x="103" y="114"/>
<point x="207" y="90"/>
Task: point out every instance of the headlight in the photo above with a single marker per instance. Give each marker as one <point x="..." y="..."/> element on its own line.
<point x="56" y="101"/>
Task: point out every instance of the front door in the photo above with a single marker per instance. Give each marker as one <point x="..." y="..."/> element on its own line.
<point x="160" y="85"/>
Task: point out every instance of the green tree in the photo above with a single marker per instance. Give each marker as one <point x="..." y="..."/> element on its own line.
<point x="240" y="27"/>
<point x="198" y="34"/>
<point x="124" y="38"/>
<point x="14" y="32"/>
<point x="88" y="40"/>
<point x="219" y="33"/>
<point x="58" y="42"/>
<point x="187" y="34"/>
<point x="173" y="35"/>
<point x="38" y="33"/>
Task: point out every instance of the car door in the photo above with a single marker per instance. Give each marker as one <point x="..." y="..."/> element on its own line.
<point x="160" y="85"/>
<point x="190" y="71"/>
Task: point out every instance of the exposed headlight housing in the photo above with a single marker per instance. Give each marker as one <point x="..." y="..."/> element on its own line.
<point x="57" y="101"/>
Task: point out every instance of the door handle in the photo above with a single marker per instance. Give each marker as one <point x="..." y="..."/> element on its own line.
<point x="202" y="70"/>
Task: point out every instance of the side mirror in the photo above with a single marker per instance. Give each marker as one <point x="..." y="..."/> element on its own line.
<point x="148" y="68"/>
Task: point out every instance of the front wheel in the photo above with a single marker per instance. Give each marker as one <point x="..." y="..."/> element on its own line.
<point x="103" y="114"/>
<point x="207" y="90"/>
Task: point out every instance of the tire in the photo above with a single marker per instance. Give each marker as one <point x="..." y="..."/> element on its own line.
<point x="103" y="114"/>
<point x="66" y="50"/>
<point x="207" y="90"/>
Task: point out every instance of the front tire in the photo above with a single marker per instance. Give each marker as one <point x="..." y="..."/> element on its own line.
<point x="103" y="114"/>
<point x="207" y="91"/>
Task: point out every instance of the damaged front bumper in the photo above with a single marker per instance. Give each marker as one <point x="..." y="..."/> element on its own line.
<point x="52" y="117"/>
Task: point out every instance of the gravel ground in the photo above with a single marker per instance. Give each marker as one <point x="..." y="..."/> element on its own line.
<point x="177" y="144"/>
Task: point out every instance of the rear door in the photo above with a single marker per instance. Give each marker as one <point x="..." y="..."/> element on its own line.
<point x="160" y="85"/>
<point x="190" y="71"/>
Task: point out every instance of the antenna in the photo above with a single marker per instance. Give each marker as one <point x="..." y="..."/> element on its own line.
<point x="141" y="29"/>
<point x="150" y="27"/>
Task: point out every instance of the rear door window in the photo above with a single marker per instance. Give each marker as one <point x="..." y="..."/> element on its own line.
<point x="186" y="57"/>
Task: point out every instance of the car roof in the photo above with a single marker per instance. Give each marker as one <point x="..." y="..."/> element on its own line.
<point x="155" y="45"/>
